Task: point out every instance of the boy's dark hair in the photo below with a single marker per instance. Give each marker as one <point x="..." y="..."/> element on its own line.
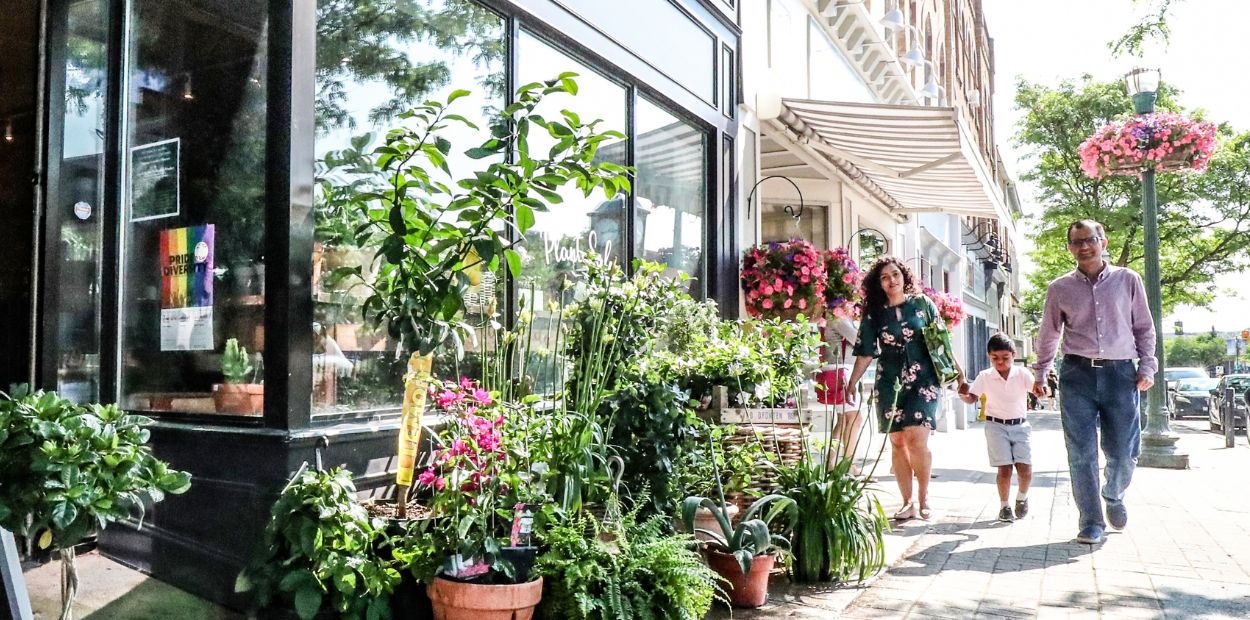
<point x="1000" y="342"/>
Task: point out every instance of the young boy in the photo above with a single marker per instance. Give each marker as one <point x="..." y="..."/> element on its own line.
<point x="1005" y="388"/>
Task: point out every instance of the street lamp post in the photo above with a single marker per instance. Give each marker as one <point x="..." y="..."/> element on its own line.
<point x="1159" y="442"/>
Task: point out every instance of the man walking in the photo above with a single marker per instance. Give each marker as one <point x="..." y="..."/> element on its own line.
<point x="1100" y="310"/>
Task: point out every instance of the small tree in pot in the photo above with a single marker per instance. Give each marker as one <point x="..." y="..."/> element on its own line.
<point x="235" y="395"/>
<point x="435" y="237"/>
<point x="66" y="469"/>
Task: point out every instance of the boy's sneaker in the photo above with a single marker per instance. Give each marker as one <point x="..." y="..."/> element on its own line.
<point x="1117" y="516"/>
<point x="1004" y="515"/>
<point x="1022" y="508"/>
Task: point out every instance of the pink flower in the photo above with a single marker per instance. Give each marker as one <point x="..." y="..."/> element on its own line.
<point x="482" y="396"/>
<point x="426" y="478"/>
<point x="767" y="304"/>
<point x="440" y="483"/>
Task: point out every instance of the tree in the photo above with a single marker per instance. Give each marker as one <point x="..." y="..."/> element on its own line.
<point x="1154" y="25"/>
<point x="1205" y="350"/>
<point x="1204" y="219"/>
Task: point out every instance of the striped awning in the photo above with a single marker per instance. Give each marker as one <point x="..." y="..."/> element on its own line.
<point x="918" y="155"/>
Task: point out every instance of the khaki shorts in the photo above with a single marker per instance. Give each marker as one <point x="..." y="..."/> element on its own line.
<point x="1008" y="444"/>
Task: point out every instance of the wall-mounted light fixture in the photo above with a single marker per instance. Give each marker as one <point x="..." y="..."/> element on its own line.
<point x="8" y="131"/>
<point x="187" y="93"/>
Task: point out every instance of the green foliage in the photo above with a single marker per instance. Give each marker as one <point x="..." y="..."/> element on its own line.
<point x="1203" y="218"/>
<point x="707" y="464"/>
<point x="1153" y="25"/>
<point x="67" y="468"/>
<point x="641" y="574"/>
<point x="751" y="536"/>
<point x="433" y="235"/>
<point x="650" y="426"/>
<point x="839" y="529"/>
<point x="235" y="364"/>
<point x="1205" y="350"/>
<point x="321" y="551"/>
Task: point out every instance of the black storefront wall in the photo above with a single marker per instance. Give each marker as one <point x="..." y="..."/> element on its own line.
<point x="200" y="540"/>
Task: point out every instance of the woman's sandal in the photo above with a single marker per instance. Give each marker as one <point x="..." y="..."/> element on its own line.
<point x="908" y="511"/>
<point x="924" y="513"/>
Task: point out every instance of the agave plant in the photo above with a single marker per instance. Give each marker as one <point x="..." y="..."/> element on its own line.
<point x="751" y="537"/>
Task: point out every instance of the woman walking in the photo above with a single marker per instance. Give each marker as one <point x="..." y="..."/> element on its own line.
<point x="908" y="393"/>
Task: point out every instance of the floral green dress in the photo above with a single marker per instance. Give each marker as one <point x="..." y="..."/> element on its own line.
<point x="894" y="337"/>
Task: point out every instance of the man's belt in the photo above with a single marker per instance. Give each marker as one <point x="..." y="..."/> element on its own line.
<point x="1092" y="362"/>
<point x="1011" y="422"/>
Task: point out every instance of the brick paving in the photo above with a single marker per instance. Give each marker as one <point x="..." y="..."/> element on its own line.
<point x="1185" y="553"/>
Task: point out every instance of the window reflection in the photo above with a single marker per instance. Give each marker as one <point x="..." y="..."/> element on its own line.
<point x="670" y="193"/>
<point x="370" y="68"/>
<point x="76" y="193"/>
<point x="193" y="207"/>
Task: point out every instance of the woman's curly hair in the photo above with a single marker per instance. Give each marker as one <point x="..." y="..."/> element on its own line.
<point x="874" y="296"/>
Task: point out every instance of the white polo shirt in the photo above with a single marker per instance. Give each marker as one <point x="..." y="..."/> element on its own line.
<point x="1005" y="399"/>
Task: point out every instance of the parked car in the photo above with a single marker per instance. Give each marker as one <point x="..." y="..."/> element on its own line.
<point x="1191" y="396"/>
<point x="1215" y="410"/>
<point x="1172" y="375"/>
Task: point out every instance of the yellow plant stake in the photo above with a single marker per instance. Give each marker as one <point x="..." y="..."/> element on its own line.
<point x="416" y="382"/>
<point x="981" y="416"/>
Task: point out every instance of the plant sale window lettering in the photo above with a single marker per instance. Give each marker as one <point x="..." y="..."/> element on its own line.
<point x="155" y="180"/>
<point x="555" y="251"/>
<point x="186" y="256"/>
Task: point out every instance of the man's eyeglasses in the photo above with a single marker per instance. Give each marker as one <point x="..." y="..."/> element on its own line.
<point x="1087" y="241"/>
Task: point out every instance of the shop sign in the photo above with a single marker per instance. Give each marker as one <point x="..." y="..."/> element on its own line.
<point x="186" y="256"/>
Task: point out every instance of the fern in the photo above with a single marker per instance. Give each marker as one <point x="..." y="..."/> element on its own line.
<point x="650" y="575"/>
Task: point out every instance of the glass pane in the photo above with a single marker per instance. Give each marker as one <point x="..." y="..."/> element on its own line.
<point x="670" y="193"/>
<point x="779" y="223"/>
<point x="578" y="223"/>
<point x="662" y="34"/>
<point x="75" y="196"/>
<point x="871" y="246"/>
<point x="369" y="70"/>
<point x="193" y="208"/>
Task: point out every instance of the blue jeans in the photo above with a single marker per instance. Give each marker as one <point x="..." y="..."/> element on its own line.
<point x="1095" y="398"/>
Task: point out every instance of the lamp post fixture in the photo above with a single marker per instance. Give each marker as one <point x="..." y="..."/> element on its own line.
<point x="1159" y="442"/>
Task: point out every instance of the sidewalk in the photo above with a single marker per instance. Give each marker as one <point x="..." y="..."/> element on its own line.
<point x="1185" y="553"/>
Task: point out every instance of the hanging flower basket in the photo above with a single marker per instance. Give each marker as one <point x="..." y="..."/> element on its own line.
<point x="1164" y="142"/>
<point x="842" y="285"/>
<point x="783" y="280"/>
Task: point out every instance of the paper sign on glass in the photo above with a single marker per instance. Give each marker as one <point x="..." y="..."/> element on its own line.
<point x="186" y="256"/>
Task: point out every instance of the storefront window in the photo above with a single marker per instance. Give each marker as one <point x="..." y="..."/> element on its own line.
<point x="193" y="205"/>
<point x="872" y="246"/>
<point x="369" y="70"/>
<point x="578" y="223"/>
<point x="75" y="196"/>
<point x="670" y="193"/>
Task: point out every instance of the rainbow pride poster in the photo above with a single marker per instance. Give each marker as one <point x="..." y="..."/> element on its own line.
<point x="186" y="257"/>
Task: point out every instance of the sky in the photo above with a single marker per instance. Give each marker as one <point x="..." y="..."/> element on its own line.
<point x="1049" y="41"/>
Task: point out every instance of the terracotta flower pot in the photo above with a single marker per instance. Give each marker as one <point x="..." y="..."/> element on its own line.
<point x="239" y="398"/>
<point x="705" y="520"/>
<point x="744" y="590"/>
<point x="455" y="600"/>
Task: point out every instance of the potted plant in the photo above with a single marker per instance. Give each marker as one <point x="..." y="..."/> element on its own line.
<point x="434" y="236"/>
<point x="236" y="396"/>
<point x="66" y="469"/>
<point x="322" y="554"/>
<point x="743" y="555"/>
<point x="480" y="488"/>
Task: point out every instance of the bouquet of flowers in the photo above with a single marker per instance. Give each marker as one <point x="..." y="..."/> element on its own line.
<point x="842" y="286"/>
<point x="783" y="280"/>
<point x="950" y="308"/>
<point x="1160" y="141"/>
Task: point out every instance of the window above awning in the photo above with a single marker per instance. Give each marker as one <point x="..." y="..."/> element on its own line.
<point x="919" y="155"/>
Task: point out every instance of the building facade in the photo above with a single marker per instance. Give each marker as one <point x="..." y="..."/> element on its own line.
<point x="169" y="167"/>
<point x="873" y="119"/>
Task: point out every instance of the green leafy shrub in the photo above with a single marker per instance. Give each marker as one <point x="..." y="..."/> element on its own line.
<point x="321" y="551"/>
<point x="642" y="573"/>
<point x="67" y="468"/>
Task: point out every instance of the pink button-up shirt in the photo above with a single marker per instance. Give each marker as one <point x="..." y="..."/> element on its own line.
<point x="1106" y="318"/>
